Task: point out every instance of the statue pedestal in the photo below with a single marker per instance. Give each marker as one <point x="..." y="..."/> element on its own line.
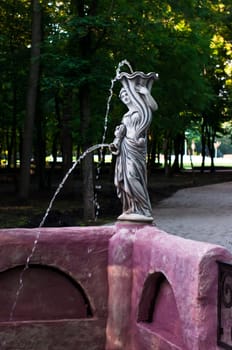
<point x="135" y="217"/>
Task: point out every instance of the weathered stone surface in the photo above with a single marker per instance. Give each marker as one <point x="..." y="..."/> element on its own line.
<point x="174" y="291"/>
<point x="120" y="273"/>
<point x="66" y="308"/>
<point x="53" y="335"/>
<point x="128" y="286"/>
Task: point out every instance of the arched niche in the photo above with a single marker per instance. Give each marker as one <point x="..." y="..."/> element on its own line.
<point x="158" y="309"/>
<point x="47" y="294"/>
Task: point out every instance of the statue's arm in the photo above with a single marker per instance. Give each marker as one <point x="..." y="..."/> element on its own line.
<point x="148" y="98"/>
<point x="119" y="133"/>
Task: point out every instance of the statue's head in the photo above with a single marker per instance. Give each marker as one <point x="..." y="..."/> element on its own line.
<point x="121" y="92"/>
<point x="124" y="96"/>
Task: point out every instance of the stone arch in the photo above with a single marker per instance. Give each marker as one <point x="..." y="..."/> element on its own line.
<point x="47" y="294"/>
<point x="158" y="309"/>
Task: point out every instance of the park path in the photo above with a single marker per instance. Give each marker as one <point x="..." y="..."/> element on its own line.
<point x="200" y="213"/>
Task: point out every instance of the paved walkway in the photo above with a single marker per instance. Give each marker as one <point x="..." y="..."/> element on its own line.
<point x="199" y="213"/>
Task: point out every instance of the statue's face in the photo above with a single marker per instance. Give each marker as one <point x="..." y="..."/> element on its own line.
<point x="125" y="97"/>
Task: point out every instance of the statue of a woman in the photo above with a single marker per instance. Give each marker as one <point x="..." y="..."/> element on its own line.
<point x="130" y="146"/>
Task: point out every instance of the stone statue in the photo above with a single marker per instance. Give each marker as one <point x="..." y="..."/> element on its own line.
<point x="130" y="146"/>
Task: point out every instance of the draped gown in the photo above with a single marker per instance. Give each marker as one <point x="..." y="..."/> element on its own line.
<point x="130" y="170"/>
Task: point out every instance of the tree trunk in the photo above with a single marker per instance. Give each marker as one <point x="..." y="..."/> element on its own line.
<point x="87" y="163"/>
<point x="66" y="133"/>
<point x="40" y="150"/>
<point x="24" y="183"/>
<point x="66" y="139"/>
<point x="86" y="51"/>
<point x="88" y="188"/>
<point x="203" y="145"/>
<point x="12" y="141"/>
<point x="167" y="156"/>
<point x="178" y="151"/>
<point x="211" y="140"/>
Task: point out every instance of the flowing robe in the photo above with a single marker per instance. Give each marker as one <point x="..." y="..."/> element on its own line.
<point x="130" y="170"/>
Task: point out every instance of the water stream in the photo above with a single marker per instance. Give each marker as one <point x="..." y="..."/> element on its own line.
<point x="83" y="155"/>
<point x="111" y="91"/>
<point x="113" y="81"/>
<point x="20" y="286"/>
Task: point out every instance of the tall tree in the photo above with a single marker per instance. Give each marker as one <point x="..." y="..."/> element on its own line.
<point x="88" y="35"/>
<point x="14" y="39"/>
<point x="32" y="95"/>
<point x="83" y="43"/>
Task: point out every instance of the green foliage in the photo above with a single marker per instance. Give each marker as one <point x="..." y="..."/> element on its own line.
<point x="186" y="42"/>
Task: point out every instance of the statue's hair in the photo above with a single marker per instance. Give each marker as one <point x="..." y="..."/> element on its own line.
<point x="144" y="104"/>
<point x="121" y="91"/>
<point x="139" y="101"/>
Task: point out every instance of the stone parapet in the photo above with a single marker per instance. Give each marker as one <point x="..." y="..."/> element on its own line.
<point x="128" y="286"/>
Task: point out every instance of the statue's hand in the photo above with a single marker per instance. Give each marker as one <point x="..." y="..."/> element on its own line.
<point x="147" y="95"/>
<point x="141" y="89"/>
<point x="113" y="149"/>
<point x="120" y="131"/>
<point x="141" y="141"/>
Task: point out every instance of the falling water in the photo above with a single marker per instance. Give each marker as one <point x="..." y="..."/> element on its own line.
<point x="89" y="150"/>
<point x="113" y="81"/>
<point x="20" y="287"/>
<point x="98" y="170"/>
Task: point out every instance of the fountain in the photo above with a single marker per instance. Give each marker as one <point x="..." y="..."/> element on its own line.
<point x="130" y="146"/>
<point x="136" y="207"/>
<point x="121" y="287"/>
<point x="30" y="256"/>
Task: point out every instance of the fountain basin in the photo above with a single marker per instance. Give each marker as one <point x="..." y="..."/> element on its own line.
<point x="127" y="286"/>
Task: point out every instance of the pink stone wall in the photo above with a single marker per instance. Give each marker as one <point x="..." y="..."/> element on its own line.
<point x="122" y="287"/>
<point x="51" y="312"/>
<point x="174" y="285"/>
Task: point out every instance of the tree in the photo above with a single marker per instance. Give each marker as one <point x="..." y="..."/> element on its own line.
<point x="87" y="36"/>
<point x="14" y="39"/>
<point x="186" y="42"/>
<point x="32" y="95"/>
